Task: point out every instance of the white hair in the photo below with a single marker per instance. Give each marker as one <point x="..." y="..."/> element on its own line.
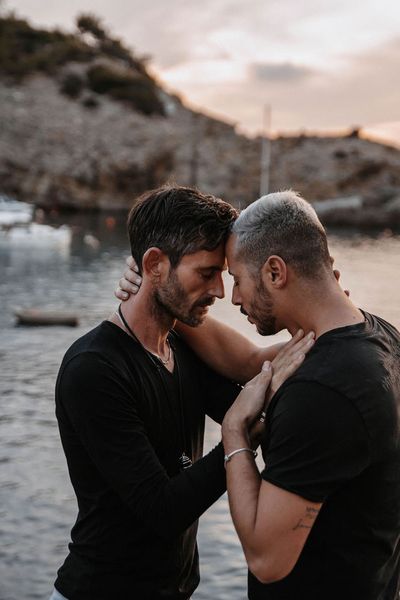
<point x="284" y="224"/>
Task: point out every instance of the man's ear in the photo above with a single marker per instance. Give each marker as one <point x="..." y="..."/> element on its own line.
<point x="155" y="264"/>
<point x="274" y="273"/>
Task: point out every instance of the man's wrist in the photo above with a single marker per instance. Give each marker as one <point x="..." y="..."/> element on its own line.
<point x="233" y="428"/>
<point x="234" y="437"/>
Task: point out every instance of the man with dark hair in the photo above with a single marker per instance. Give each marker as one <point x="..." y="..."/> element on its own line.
<point x="178" y="221"/>
<point x="131" y="400"/>
<point x="322" y="520"/>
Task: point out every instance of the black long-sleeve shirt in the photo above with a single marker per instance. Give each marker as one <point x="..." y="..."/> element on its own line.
<point x="124" y="422"/>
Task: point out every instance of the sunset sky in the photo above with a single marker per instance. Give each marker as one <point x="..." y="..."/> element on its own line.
<point x="322" y="65"/>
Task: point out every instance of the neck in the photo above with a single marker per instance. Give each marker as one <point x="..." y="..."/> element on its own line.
<point x="321" y="309"/>
<point x="148" y="322"/>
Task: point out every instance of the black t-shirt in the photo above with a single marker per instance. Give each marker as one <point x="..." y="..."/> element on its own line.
<point x="121" y="425"/>
<point x="333" y="437"/>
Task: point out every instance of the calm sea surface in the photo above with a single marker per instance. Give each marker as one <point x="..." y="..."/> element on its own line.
<point x="37" y="505"/>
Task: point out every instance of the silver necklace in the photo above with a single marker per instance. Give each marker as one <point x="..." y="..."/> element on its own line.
<point x="184" y="461"/>
<point x="125" y="325"/>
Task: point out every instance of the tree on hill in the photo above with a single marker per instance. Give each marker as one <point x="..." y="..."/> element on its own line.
<point x="89" y="23"/>
<point x="25" y="50"/>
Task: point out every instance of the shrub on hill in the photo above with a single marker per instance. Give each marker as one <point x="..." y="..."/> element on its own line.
<point x="133" y="88"/>
<point x="25" y="50"/>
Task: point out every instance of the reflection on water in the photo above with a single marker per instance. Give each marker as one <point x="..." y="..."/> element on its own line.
<point x="36" y="499"/>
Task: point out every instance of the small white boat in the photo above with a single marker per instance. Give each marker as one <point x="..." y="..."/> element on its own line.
<point x="13" y="212"/>
<point x="35" y="235"/>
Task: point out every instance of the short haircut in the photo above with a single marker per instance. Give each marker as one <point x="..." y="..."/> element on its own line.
<point x="285" y="225"/>
<point x="178" y="221"/>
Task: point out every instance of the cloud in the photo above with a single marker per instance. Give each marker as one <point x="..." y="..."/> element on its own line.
<point x="363" y="91"/>
<point x="279" y="72"/>
<point x="319" y="64"/>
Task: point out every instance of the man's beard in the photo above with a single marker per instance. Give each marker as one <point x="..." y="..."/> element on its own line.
<point x="171" y="299"/>
<point x="262" y="310"/>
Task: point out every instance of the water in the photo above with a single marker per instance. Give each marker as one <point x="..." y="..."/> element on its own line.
<point x="37" y="505"/>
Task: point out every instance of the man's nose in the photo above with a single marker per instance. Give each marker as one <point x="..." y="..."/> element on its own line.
<point x="236" y="299"/>
<point x="218" y="287"/>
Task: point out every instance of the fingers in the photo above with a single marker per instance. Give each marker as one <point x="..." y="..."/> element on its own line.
<point x="132" y="277"/>
<point x="120" y="294"/>
<point x="295" y="339"/>
<point x="289" y="359"/>
<point x="266" y="372"/>
<point x="130" y="282"/>
<point x="263" y="378"/>
<point x="296" y="344"/>
<point x="130" y="261"/>
<point x="289" y="368"/>
<point x="305" y="343"/>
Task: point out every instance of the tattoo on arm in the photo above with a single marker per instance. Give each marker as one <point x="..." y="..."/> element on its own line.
<point x="307" y="521"/>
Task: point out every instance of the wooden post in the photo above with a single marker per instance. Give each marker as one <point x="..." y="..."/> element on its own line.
<point x="265" y="160"/>
<point x="194" y="159"/>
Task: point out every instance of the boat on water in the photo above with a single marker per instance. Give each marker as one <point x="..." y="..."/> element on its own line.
<point x="35" y="317"/>
<point x="36" y="235"/>
<point x="13" y="212"/>
<point x="18" y="230"/>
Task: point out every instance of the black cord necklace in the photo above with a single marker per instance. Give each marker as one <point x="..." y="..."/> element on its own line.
<point x="184" y="461"/>
<point x="125" y="324"/>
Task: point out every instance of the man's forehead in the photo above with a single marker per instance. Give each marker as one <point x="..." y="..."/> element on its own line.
<point x="230" y="251"/>
<point x="206" y="258"/>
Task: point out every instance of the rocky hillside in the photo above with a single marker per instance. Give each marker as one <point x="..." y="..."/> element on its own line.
<point x="340" y="168"/>
<point x="84" y="125"/>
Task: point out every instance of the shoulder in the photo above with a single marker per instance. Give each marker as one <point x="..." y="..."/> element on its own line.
<point x="98" y="363"/>
<point x="352" y="360"/>
<point x="97" y="339"/>
<point x="104" y="346"/>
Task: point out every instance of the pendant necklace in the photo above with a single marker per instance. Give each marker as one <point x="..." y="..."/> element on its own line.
<point x="184" y="461"/>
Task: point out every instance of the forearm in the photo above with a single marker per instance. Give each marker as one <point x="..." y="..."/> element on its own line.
<point x="184" y="498"/>
<point x="225" y="350"/>
<point x="243" y="485"/>
<point x="272" y="523"/>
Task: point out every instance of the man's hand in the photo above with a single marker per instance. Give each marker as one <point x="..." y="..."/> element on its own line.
<point x="253" y="400"/>
<point x="130" y="281"/>
<point x="249" y="404"/>
<point x="289" y="358"/>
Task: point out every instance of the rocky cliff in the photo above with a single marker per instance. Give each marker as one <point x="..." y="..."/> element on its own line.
<point x="83" y="125"/>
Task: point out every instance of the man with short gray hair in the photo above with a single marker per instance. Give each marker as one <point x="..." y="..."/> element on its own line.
<point x="322" y="520"/>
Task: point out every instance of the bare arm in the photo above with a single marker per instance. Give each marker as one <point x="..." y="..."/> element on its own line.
<point x="225" y="350"/>
<point x="220" y="346"/>
<point x="272" y="523"/>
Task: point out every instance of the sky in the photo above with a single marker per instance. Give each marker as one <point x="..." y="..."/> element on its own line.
<point x="321" y="65"/>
